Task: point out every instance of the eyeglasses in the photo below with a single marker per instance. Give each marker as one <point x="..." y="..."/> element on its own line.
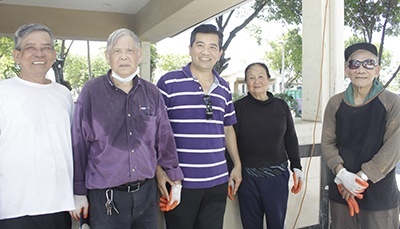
<point x="209" y="109"/>
<point x="367" y="64"/>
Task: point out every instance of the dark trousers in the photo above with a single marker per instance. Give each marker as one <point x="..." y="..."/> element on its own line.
<point x="60" y="220"/>
<point x="199" y="209"/>
<point x="137" y="210"/>
<point x="263" y="196"/>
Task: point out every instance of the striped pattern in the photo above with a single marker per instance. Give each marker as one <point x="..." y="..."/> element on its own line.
<point x="271" y="171"/>
<point x="200" y="142"/>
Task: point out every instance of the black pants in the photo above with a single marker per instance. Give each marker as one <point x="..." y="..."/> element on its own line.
<point x="199" y="209"/>
<point x="137" y="210"/>
<point x="61" y="220"/>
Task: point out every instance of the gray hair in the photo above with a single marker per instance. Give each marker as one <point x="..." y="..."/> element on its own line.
<point x="114" y="36"/>
<point x="25" y="30"/>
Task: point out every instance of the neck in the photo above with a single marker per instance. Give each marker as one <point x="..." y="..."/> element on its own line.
<point x="261" y="97"/>
<point x="360" y="93"/>
<point x="206" y="74"/>
<point x="35" y="79"/>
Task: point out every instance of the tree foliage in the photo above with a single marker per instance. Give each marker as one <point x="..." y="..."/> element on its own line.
<point x="285" y="11"/>
<point x="367" y="17"/>
<point x="7" y="66"/>
<point x="171" y="62"/>
<point x="76" y="70"/>
<point x="291" y="43"/>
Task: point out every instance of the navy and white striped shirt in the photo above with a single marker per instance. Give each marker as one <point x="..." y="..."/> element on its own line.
<point x="200" y="142"/>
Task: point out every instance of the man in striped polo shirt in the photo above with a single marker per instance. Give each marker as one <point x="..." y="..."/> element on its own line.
<point x="201" y="112"/>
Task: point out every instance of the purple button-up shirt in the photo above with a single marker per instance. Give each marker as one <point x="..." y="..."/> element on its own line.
<point x="118" y="137"/>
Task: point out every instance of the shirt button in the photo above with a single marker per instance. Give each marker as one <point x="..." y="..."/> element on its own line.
<point x="130" y="133"/>
<point x="129" y="115"/>
<point x="133" y="170"/>
<point x="132" y="151"/>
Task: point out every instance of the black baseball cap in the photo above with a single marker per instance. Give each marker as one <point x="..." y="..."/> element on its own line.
<point x="358" y="46"/>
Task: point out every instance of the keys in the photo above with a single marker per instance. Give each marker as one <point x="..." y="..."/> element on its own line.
<point x="110" y="203"/>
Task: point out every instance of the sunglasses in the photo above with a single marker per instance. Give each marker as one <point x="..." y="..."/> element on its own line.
<point x="367" y="64"/>
<point x="209" y="109"/>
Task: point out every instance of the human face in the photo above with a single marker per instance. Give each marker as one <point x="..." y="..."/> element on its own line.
<point x="205" y="51"/>
<point x="124" y="56"/>
<point x="36" y="56"/>
<point x="257" y="81"/>
<point x="362" y="77"/>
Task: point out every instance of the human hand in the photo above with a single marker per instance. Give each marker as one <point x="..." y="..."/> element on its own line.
<point x="236" y="177"/>
<point x="351" y="201"/>
<point x="231" y="187"/>
<point x="297" y="180"/>
<point x="81" y="206"/>
<point x="351" y="181"/>
<point x="162" y="180"/>
<point x="174" y="199"/>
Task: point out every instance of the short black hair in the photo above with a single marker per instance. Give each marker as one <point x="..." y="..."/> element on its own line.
<point x="256" y="63"/>
<point x="207" y="29"/>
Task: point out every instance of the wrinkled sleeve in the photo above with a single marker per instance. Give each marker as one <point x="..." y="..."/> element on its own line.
<point x="330" y="152"/>
<point x="167" y="156"/>
<point x="291" y="141"/>
<point x="389" y="154"/>
<point x="80" y="145"/>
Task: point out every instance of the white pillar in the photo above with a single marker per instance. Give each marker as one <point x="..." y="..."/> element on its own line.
<point x="145" y="65"/>
<point x="322" y="54"/>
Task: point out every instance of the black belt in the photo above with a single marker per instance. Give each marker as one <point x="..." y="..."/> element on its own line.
<point x="131" y="186"/>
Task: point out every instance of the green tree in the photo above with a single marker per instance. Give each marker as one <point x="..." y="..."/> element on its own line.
<point x="76" y="70"/>
<point x="367" y="17"/>
<point x="7" y="66"/>
<point x="171" y="62"/>
<point x="292" y="44"/>
<point x="285" y="11"/>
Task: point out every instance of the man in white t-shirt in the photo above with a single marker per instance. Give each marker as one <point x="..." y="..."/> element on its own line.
<point x="36" y="169"/>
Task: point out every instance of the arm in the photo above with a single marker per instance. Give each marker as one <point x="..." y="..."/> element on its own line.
<point x="231" y="145"/>
<point x="330" y="152"/>
<point x="168" y="170"/>
<point x="389" y="155"/>
<point x="80" y="149"/>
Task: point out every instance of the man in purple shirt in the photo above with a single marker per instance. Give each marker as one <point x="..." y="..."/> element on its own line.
<point x="121" y="134"/>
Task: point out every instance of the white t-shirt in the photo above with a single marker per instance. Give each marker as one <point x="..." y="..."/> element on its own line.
<point x="36" y="169"/>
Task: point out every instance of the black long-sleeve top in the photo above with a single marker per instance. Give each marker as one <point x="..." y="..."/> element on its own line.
<point x="265" y="132"/>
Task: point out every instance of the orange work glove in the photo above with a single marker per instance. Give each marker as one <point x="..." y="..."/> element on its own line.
<point x="174" y="199"/>
<point x="351" y="201"/>
<point x="297" y="181"/>
<point x="164" y="204"/>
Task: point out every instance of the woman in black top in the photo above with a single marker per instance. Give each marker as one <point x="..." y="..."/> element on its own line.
<point x="267" y="141"/>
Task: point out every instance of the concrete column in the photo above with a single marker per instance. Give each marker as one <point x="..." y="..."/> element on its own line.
<point x="323" y="73"/>
<point x="145" y="65"/>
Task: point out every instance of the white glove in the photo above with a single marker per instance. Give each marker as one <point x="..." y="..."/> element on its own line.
<point x="175" y="194"/>
<point x="81" y="205"/>
<point x="297" y="181"/>
<point x="298" y="173"/>
<point x="350" y="181"/>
